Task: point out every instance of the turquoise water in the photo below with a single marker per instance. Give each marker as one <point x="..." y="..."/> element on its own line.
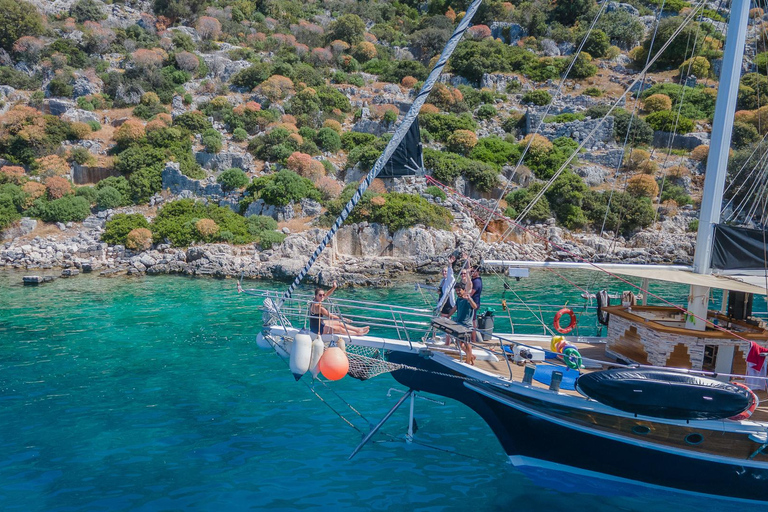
<point x="149" y="394"/>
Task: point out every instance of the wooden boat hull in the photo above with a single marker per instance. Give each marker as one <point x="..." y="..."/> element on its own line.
<point x="533" y="429"/>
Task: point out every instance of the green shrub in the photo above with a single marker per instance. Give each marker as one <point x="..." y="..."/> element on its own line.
<point x="232" y="179"/>
<point x="443" y="125"/>
<point x="88" y="193"/>
<point x="120" y="184"/>
<point x="239" y="135"/>
<point x="8" y="211"/>
<point x="697" y="102"/>
<point x="494" y="150"/>
<point x="668" y="121"/>
<point x="19" y="19"/>
<point x="486" y="112"/>
<point x="566" y="117"/>
<point x="117" y="228"/>
<point x="69" y="208"/>
<point x="145" y="183"/>
<point x="108" y="198"/>
<point x="259" y="223"/>
<point x="195" y="121"/>
<point x="407" y="210"/>
<point x="80" y="155"/>
<point x="537" y="97"/>
<point x="86" y="10"/>
<point x="212" y="140"/>
<point x="675" y="193"/>
<point x="328" y="140"/>
<point x="282" y="187"/>
<point x="268" y="239"/>
<point x="176" y="223"/>
<point x="626" y="214"/>
<point x="743" y="135"/>
<point x="483" y="176"/>
<point x="351" y="140"/>
<point x="597" y="44"/>
<point x="593" y="91"/>
<point x="19" y="79"/>
<point x="582" y="67"/>
<point x="436" y="192"/>
<point x="251" y="77"/>
<point x="519" y="199"/>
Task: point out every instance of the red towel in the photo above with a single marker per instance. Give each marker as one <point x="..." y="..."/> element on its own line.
<point x="754" y="355"/>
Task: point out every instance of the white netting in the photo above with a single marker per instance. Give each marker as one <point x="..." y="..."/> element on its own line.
<point x="368" y="362"/>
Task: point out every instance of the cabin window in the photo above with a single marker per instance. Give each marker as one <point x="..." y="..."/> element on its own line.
<point x="710" y="357"/>
<point x="694" y="439"/>
<point x="641" y="430"/>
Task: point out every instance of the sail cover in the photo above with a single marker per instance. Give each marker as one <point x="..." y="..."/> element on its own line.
<point x="406" y="160"/>
<point x="737" y="248"/>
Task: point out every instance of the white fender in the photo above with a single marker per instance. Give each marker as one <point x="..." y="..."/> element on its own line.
<point x="317" y="352"/>
<point x="262" y="342"/>
<point x="301" y="354"/>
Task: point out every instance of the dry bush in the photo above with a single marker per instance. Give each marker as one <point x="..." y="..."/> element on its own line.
<point x="429" y="108"/>
<point x="155" y="124"/>
<point x="365" y="51"/>
<point x="378" y="186"/>
<point x="321" y="56"/>
<point x="643" y="185"/>
<point x="34" y="190"/>
<point x="99" y="38"/>
<point x="296" y="138"/>
<point x="657" y="102"/>
<point x="79" y="130"/>
<point x="129" y="132"/>
<point x="338" y="46"/>
<point x="140" y="239"/>
<point x="479" y="32"/>
<point x="206" y="227"/>
<point x="57" y="187"/>
<point x="409" y="82"/>
<point x="28" y="48"/>
<point x="639" y="160"/>
<point x="144" y="58"/>
<point x="539" y="146"/>
<point x="304" y="165"/>
<point x="756" y="13"/>
<point x="379" y="111"/>
<point x="744" y="116"/>
<point x="370" y="38"/>
<point x="461" y="141"/>
<point x="678" y="171"/>
<point x="187" y="61"/>
<point x="700" y="153"/>
<point x="333" y="125"/>
<point x="378" y="201"/>
<point x="328" y="187"/>
<point x="52" y="165"/>
<point x="451" y="14"/>
<point x="301" y="49"/>
<point x="276" y="87"/>
<point x="208" y="27"/>
<point x="288" y="119"/>
<point x="12" y="174"/>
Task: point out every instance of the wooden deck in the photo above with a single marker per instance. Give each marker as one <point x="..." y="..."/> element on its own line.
<point x="592" y="351"/>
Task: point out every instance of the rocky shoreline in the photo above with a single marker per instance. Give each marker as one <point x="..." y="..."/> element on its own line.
<point x="361" y="254"/>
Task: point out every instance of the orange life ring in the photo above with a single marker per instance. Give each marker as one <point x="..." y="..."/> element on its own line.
<point x="571" y="325"/>
<point x="748" y="413"/>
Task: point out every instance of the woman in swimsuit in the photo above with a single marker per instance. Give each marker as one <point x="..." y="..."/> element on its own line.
<point x="321" y="321"/>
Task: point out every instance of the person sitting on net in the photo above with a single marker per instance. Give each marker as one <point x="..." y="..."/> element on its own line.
<point x="322" y="321"/>
<point x="465" y="310"/>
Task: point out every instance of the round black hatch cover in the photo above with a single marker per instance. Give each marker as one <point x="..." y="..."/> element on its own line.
<point x="664" y="394"/>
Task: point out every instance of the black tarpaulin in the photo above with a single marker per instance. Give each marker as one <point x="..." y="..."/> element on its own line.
<point x="737" y="248"/>
<point x="406" y="160"/>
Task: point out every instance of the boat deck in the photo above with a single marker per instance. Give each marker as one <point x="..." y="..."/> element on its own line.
<point x="589" y="351"/>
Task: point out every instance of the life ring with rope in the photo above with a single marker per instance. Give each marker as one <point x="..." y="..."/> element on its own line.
<point x="571" y="324"/>
<point x="751" y="409"/>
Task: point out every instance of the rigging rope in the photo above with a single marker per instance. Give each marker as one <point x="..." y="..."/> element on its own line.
<point x="652" y="61"/>
<point x="394" y="142"/>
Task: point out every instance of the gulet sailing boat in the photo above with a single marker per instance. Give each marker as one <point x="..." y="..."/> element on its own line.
<point x="659" y="402"/>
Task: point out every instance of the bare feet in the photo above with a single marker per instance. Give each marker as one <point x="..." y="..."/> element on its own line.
<point x="365" y="330"/>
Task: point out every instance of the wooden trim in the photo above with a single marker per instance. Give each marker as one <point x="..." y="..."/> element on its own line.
<point x="753" y="332"/>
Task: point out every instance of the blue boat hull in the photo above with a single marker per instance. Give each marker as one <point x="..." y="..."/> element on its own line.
<point x="528" y="436"/>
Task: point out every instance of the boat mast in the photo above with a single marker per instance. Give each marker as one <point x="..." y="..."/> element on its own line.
<point x="717" y="161"/>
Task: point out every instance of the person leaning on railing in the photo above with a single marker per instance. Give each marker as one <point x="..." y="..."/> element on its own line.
<point x="322" y="321"/>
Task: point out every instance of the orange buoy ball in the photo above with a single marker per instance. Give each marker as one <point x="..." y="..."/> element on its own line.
<point x="334" y="364"/>
<point x="560" y="346"/>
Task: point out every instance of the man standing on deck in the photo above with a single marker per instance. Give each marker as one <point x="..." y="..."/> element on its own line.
<point x="477" y="289"/>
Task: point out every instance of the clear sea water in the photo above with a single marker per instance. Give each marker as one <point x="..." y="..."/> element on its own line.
<point x="149" y="393"/>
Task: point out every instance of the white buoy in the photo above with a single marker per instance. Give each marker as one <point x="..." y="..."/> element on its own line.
<point x="317" y="352"/>
<point x="301" y="354"/>
<point x="262" y="342"/>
